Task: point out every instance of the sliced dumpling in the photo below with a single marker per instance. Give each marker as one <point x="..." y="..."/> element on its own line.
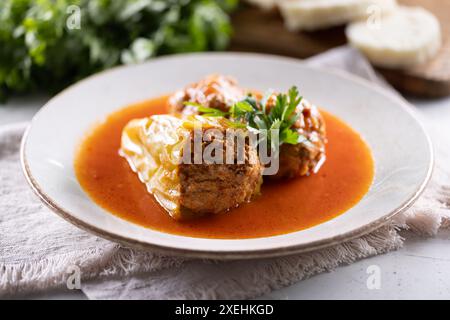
<point x="160" y="149"/>
<point x="312" y="15"/>
<point x="410" y="36"/>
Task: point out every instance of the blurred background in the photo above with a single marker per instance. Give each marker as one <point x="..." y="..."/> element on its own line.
<point x="45" y="45"/>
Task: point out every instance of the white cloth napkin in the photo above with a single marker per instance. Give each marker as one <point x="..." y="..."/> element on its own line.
<point x="39" y="250"/>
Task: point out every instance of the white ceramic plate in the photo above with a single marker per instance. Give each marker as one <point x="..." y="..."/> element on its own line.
<point x="401" y="148"/>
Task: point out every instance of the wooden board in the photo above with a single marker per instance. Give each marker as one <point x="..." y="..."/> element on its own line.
<point x="259" y="31"/>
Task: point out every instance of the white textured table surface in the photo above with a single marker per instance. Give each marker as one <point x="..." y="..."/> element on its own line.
<point x="421" y="270"/>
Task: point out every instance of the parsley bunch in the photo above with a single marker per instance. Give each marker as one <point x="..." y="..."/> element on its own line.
<point x="48" y="44"/>
<point x="248" y="112"/>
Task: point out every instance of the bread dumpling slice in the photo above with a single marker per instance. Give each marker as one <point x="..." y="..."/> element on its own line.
<point x="160" y="149"/>
<point x="311" y="15"/>
<point x="410" y="36"/>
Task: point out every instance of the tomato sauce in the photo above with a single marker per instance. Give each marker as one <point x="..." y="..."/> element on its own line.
<point x="282" y="207"/>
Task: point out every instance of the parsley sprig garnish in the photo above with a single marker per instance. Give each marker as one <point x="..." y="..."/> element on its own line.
<point x="248" y="112"/>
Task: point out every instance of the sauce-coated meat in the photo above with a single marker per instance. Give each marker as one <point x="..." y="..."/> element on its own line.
<point x="215" y="91"/>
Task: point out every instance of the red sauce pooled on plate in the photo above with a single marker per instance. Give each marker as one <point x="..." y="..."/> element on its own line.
<point x="282" y="207"/>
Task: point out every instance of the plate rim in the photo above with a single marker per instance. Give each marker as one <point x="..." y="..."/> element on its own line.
<point x="233" y="255"/>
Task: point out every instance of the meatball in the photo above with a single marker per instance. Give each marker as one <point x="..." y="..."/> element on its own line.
<point x="161" y="150"/>
<point x="215" y="188"/>
<point x="215" y="91"/>
<point x="308" y="155"/>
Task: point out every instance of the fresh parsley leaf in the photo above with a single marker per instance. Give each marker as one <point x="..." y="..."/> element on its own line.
<point x="240" y="109"/>
<point x="294" y="101"/>
<point x="289" y="136"/>
<point x="237" y="125"/>
<point x="209" y="112"/>
<point x="252" y="101"/>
